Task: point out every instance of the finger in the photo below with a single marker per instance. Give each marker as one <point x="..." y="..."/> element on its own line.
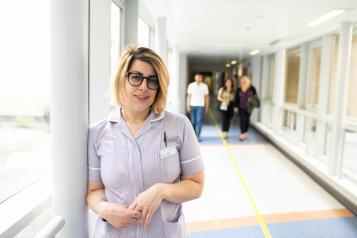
<point x="143" y="216"/>
<point x="148" y="219"/>
<point x="132" y="206"/>
<point x="136" y="214"/>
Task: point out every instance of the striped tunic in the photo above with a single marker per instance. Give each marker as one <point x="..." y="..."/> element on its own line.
<point x="128" y="165"/>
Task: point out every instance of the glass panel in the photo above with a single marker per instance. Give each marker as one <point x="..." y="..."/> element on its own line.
<point x="350" y="155"/>
<point x="271" y="68"/>
<point x="314" y="75"/>
<point x="143" y="33"/>
<point x="24" y="90"/>
<point x="310" y="136"/>
<point x="289" y="124"/>
<point x="115" y="36"/>
<point x="352" y="89"/>
<point x="333" y="78"/>
<point x="292" y="75"/>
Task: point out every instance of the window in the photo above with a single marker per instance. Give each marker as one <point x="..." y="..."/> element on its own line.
<point x="314" y="75"/>
<point x="24" y="90"/>
<point x="352" y="88"/>
<point x="143" y="33"/>
<point x="292" y="75"/>
<point x="289" y="123"/>
<point x="349" y="156"/>
<point x="333" y="76"/>
<point x="115" y="36"/>
<point x="271" y="72"/>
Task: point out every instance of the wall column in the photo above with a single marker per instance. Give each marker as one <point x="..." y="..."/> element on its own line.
<point x="69" y="113"/>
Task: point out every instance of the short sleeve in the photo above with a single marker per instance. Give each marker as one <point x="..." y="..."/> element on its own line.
<point x="189" y="89"/>
<point x="206" y="90"/>
<point x="220" y="92"/>
<point x="93" y="158"/>
<point x="190" y="153"/>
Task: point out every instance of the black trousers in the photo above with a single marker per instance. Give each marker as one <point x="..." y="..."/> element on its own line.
<point x="226" y="120"/>
<point x="244" y="120"/>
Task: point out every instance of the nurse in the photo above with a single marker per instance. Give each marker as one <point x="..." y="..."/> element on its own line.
<point x="143" y="162"/>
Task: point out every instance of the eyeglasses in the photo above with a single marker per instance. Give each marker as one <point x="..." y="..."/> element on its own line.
<point x="137" y="78"/>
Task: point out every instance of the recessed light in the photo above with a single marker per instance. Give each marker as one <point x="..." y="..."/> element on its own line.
<point x="233" y="61"/>
<point x="254" y="52"/>
<point x="228" y="65"/>
<point x="324" y="18"/>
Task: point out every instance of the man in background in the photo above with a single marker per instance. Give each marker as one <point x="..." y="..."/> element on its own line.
<point x="197" y="102"/>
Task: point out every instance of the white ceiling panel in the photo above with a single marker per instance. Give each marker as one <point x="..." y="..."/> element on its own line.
<point x="236" y="27"/>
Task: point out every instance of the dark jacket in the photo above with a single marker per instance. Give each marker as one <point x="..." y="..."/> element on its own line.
<point x="237" y="96"/>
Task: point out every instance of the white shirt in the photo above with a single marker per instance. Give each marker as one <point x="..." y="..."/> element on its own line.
<point x="198" y="93"/>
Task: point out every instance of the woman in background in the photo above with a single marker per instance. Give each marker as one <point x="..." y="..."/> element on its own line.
<point x="241" y="105"/>
<point x="226" y="97"/>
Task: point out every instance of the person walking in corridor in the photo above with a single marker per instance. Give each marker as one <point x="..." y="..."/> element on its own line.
<point x="143" y="162"/>
<point x="243" y="105"/>
<point x="226" y="98"/>
<point x="197" y="103"/>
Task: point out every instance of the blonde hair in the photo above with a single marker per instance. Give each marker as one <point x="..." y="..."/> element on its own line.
<point x="128" y="56"/>
<point x="246" y="78"/>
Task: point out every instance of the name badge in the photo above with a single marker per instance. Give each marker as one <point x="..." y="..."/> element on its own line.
<point x="164" y="153"/>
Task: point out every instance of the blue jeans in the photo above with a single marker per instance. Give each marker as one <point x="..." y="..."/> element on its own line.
<point x="196" y="118"/>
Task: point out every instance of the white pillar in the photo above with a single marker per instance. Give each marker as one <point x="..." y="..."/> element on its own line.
<point x="323" y="96"/>
<point x="160" y="38"/>
<point x="183" y="78"/>
<point x="99" y="70"/>
<point x="69" y="113"/>
<point x="264" y="89"/>
<point x="173" y="92"/>
<point x="279" y="89"/>
<point x="343" y="70"/>
<point x="131" y="16"/>
<point x="256" y="62"/>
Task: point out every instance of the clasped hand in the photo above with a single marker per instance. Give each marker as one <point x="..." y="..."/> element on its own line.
<point x="146" y="203"/>
<point x="141" y="209"/>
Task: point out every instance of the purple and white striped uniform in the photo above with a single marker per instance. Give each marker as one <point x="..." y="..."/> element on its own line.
<point x="129" y="165"/>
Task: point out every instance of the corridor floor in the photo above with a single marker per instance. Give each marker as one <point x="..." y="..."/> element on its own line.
<point x="252" y="190"/>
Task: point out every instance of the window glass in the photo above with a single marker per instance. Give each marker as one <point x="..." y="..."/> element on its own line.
<point x="314" y="75"/>
<point x="292" y="75"/>
<point x="352" y="88"/>
<point x="24" y="90"/>
<point x="271" y="72"/>
<point x="350" y="154"/>
<point x="333" y="76"/>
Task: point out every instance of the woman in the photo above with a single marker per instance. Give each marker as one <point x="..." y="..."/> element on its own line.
<point x="226" y="97"/>
<point x="242" y="106"/>
<point x="143" y="161"/>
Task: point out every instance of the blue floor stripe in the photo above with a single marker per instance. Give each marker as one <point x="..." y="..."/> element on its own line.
<point x="323" y="228"/>
<point x="209" y="136"/>
<point x="244" y="232"/>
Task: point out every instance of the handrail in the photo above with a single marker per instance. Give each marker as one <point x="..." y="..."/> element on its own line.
<point x="52" y="228"/>
<point x="323" y="118"/>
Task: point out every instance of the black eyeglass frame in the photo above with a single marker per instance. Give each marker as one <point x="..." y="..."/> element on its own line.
<point x="148" y="79"/>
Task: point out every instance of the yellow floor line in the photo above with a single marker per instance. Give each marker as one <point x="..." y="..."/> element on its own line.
<point x="246" y="189"/>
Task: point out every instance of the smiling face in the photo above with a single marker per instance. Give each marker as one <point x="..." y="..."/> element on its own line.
<point x="139" y="99"/>
<point x="229" y="83"/>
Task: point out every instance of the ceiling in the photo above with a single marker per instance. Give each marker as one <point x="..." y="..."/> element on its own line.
<point x="235" y="27"/>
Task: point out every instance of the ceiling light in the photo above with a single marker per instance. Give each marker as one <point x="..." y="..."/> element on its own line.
<point x="254" y="52"/>
<point x="233" y="61"/>
<point x="328" y="16"/>
<point x="276" y="41"/>
<point x="228" y="65"/>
